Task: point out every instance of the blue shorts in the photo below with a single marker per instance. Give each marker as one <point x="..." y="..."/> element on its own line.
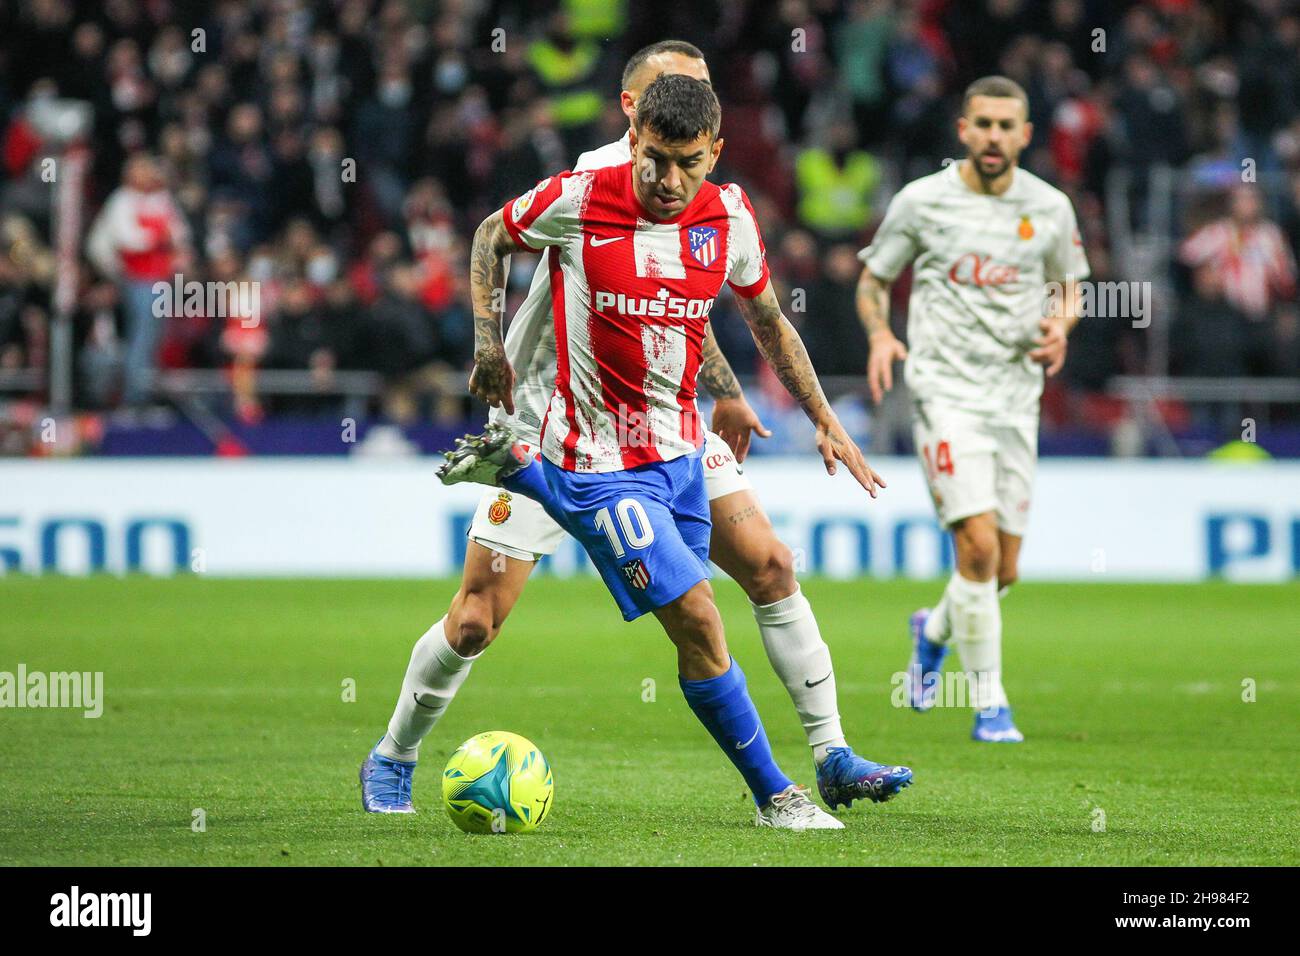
<point x="645" y="529"/>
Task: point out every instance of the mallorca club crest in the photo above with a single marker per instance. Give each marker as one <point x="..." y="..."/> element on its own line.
<point x="704" y="244"/>
<point x="636" y="574"/>
<point x="499" y="510"/>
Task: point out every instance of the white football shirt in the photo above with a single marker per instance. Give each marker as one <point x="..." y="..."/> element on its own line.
<point x="978" y="286"/>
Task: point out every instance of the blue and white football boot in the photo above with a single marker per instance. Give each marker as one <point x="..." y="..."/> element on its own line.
<point x="996" y="728"/>
<point x="386" y="784"/>
<point x="925" y="669"/>
<point x="844" y="777"/>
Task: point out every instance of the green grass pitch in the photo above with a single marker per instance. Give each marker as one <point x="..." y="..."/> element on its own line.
<point x="228" y="696"/>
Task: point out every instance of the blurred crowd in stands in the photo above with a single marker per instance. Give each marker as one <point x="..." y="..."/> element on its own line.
<point x="341" y="152"/>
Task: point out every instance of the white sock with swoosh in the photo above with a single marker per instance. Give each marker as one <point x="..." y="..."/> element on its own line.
<point x="802" y="660"/>
<point x="433" y="676"/>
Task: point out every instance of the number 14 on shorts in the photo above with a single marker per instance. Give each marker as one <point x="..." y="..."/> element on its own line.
<point x="941" y="463"/>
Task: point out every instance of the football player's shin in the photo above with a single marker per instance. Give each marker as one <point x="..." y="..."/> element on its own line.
<point x="802" y="660"/>
<point x="723" y="706"/>
<point x="433" y="676"/>
<point x="977" y="632"/>
<point x="938" y="626"/>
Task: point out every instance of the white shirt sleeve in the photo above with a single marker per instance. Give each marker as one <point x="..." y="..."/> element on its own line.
<point x="545" y="214"/>
<point x="895" y="243"/>
<point x="747" y="271"/>
<point x="1066" y="258"/>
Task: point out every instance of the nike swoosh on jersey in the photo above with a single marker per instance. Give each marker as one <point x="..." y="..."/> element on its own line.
<point x="814" y="683"/>
<point x="740" y="746"/>
<point x="604" y="242"/>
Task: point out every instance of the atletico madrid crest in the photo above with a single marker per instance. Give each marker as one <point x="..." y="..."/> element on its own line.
<point x="636" y="574"/>
<point x="704" y="244"/>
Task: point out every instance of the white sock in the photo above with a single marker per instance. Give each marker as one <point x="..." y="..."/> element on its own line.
<point x="976" y="619"/>
<point x="433" y="676"/>
<point x="801" y="658"/>
<point x="938" y="626"/>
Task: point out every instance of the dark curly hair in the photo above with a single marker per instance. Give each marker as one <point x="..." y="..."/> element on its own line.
<point x="679" y="108"/>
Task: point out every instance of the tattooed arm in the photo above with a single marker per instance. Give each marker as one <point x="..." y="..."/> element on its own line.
<point x="785" y="352"/>
<point x="733" y="419"/>
<point x="715" y="371"/>
<point x="492" y="379"/>
<point x="873" y="312"/>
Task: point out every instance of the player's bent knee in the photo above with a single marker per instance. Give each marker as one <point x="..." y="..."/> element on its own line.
<point x="695" y="627"/>
<point x="772" y="578"/>
<point x="473" y="622"/>
<point x="699" y="616"/>
<point x="977" y="550"/>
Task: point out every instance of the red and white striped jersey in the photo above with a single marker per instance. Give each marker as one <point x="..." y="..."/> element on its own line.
<point x="1254" y="260"/>
<point x="631" y="296"/>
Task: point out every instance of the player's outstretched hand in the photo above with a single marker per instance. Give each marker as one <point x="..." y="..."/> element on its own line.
<point x="885" y="350"/>
<point x="493" y="380"/>
<point x="835" y="445"/>
<point x="733" y="421"/>
<point x="1051" y="345"/>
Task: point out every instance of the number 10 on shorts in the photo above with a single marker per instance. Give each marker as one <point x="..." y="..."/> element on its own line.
<point x="632" y="520"/>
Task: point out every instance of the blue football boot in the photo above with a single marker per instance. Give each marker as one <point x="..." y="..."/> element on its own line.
<point x="386" y="784"/>
<point x="996" y="727"/>
<point x="925" y="669"/>
<point x="844" y="777"/>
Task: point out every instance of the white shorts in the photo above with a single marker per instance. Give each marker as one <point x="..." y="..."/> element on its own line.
<point x="973" y="465"/>
<point x="520" y="528"/>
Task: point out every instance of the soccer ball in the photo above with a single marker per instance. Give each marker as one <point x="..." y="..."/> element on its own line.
<point x="497" y="782"/>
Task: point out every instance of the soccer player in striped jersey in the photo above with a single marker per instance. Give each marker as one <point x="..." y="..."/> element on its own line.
<point x="510" y="532"/>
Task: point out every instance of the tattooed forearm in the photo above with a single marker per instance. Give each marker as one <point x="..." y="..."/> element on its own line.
<point x="873" y="303"/>
<point x="492" y="378"/>
<point x="743" y="515"/>
<point x="784" y="351"/>
<point x="715" y="373"/>
<point x="487" y="282"/>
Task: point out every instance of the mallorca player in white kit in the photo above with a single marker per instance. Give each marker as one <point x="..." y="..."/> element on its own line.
<point x="987" y="238"/>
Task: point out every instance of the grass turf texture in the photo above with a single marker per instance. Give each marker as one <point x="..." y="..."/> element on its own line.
<point x="228" y="696"/>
